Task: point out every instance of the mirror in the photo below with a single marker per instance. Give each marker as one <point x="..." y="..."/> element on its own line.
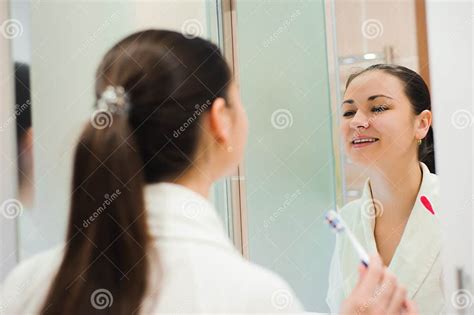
<point x="384" y="115"/>
<point x="294" y="59"/>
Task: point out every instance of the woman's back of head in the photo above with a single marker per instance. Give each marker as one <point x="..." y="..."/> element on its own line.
<point x="167" y="77"/>
<point x="168" y="80"/>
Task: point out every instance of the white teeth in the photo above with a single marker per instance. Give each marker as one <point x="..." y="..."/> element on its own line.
<point x="357" y="141"/>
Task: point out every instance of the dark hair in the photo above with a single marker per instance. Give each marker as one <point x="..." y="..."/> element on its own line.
<point x="23" y="116"/>
<point x="22" y="98"/>
<point x="167" y="78"/>
<point x="418" y="94"/>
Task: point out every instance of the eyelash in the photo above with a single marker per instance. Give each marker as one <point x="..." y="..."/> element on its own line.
<point x="377" y="109"/>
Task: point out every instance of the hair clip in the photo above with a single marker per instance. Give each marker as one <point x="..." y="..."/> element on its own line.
<point x="113" y="100"/>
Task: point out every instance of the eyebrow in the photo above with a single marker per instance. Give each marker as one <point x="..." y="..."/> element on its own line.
<point x="370" y="98"/>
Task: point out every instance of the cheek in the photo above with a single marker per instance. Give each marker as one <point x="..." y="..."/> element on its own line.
<point x="394" y="130"/>
<point x="346" y="134"/>
<point x="344" y="128"/>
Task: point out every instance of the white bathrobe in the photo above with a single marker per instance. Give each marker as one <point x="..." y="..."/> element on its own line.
<point x="201" y="269"/>
<point x="416" y="261"/>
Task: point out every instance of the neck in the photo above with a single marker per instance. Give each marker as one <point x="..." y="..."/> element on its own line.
<point x="196" y="181"/>
<point x="396" y="187"/>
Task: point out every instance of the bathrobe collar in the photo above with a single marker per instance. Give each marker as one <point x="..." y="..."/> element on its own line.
<point x="178" y="213"/>
<point x="420" y="243"/>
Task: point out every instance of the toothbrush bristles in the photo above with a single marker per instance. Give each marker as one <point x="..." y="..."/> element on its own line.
<point x="332" y="218"/>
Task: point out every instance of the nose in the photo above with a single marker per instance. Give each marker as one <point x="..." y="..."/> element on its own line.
<point x="360" y="120"/>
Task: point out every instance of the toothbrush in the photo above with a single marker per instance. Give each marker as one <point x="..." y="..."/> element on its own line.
<point x="338" y="225"/>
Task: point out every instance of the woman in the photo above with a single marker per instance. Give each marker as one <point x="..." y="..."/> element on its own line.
<point x="386" y="126"/>
<point x="142" y="237"/>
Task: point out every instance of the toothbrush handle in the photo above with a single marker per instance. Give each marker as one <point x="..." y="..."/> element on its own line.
<point x="360" y="250"/>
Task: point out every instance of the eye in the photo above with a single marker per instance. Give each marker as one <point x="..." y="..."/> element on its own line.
<point x="379" y="109"/>
<point x="348" y="113"/>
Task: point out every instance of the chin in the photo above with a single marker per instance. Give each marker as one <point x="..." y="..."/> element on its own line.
<point x="363" y="159"/>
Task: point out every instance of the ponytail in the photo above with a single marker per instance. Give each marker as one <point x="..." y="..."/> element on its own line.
<point x="426" y="151"/>
<point x="105" y="263"/>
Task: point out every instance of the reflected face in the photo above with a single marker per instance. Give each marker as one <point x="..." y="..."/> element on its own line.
<point x="378" y="121"/>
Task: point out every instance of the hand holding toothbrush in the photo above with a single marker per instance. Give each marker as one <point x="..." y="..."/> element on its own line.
<point x="377" y="291"/>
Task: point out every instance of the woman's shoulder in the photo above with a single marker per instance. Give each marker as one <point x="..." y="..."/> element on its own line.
<point x="29" y="278"/>
<point x="48" y="257"/>
<point x="269" y="291"/>
<point x="260" y="289"/>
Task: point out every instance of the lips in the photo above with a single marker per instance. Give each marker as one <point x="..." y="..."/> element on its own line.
<point x="364" y="140"/>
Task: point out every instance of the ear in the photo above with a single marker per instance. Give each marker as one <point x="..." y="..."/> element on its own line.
<point x="220" y="121"/>
<point x="423" y="124"/>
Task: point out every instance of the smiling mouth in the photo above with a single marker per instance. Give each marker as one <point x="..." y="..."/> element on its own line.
<point x="364" y="141"/>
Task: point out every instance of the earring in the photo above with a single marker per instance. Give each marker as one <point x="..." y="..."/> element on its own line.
<point x="420" y="141"/>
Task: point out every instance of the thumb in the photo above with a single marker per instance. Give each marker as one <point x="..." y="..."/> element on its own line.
<point x="362" y="272"/>
<point x="410" y="308"/>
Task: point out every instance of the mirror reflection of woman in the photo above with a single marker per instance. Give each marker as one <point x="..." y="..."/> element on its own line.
<point x="386" y="126"/>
